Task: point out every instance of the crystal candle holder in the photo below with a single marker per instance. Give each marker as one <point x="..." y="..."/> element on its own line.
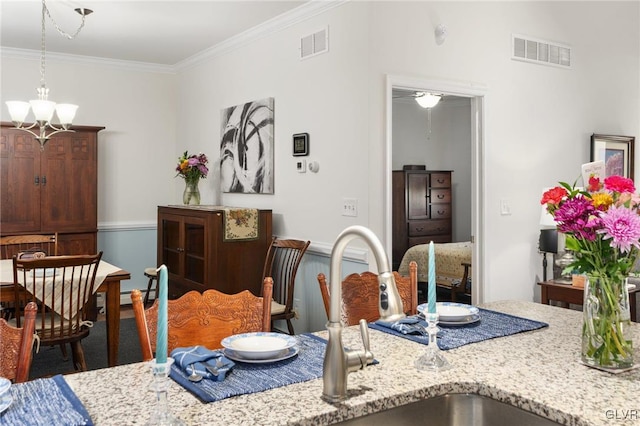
<point x="433" y="359"/>
<point x="161" y="414"/>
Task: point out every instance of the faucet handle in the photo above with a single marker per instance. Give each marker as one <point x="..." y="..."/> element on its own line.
<point x="364" y="332"/>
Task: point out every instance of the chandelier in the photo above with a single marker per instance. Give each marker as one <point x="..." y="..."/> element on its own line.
<point x="43" y="108"/>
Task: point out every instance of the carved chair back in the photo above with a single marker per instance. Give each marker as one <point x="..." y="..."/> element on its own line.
<point x="203" y="318"/>
<point x="360" y="295"/>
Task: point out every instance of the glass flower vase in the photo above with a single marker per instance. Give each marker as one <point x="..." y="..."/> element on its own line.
<point x="191" y="194"/>
<point x="606" y="337"/>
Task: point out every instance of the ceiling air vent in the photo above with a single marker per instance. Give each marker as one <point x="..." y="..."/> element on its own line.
<point x="314" y="44"/>
<point x="543" y="52"/>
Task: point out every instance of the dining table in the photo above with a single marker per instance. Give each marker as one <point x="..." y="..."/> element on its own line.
<point x="538" y="371"/>
<point x="108" y="278"/>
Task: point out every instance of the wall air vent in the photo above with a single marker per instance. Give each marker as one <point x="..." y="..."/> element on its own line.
<point x="314" y="44"/>
<point x="538" y="51"/>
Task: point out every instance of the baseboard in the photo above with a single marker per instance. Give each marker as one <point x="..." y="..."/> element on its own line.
<point x="125" y="299"/>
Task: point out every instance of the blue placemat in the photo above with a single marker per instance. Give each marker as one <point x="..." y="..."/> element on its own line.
<point x="46" y="402"/>
<point x="250" y="378"/>
<point x="492" y="324"/>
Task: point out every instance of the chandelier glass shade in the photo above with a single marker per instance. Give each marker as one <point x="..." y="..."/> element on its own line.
<point x="44" y="109"/>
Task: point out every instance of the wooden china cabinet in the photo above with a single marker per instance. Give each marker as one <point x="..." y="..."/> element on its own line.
<point x="51" y="190"/>
<point x="191" y="245"/>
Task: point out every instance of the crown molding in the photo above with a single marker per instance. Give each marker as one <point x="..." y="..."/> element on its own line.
<point x="10" y="52"/>
<point x="287" y="19"/>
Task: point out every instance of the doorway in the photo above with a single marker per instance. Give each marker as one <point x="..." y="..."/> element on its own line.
<point x="475" y="95"/>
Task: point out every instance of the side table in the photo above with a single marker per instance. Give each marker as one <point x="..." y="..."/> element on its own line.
<point x="566" y="294"/>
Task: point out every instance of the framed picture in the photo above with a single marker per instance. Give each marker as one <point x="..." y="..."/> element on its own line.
<point x="246" y="147"/>
<point x="616" y="152"/>
<point x="300" y="144"/>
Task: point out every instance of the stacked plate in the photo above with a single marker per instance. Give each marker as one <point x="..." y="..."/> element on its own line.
<point x="5" y="395"/>
<point x="451" y="313"/>
<point x="260" y="347"/>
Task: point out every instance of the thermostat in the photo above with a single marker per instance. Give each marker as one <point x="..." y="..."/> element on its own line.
<point x="300" y="144"/>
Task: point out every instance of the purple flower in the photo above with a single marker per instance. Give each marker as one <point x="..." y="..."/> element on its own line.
<point x="622" y="226"/>
<point x="577" y="216"/>
<point x="203" y="169"/>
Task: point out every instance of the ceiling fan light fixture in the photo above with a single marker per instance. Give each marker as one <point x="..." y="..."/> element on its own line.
<point x="427" y="100"/>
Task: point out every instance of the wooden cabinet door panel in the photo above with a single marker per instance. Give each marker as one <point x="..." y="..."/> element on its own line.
<point x="417" y="195"/>
<point x="71" y="244"/>
<point x="19" y="182"/>
<point x="69" y="194"/>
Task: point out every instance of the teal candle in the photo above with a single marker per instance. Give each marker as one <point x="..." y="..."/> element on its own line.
<point x="161" y="341"/>
<point x="431" y="290"/>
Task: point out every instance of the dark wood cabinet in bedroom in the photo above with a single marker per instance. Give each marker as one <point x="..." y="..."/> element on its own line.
<point x="422" y="209"/>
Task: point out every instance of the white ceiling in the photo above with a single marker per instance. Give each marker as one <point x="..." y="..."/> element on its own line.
<point x="158" y="32"/>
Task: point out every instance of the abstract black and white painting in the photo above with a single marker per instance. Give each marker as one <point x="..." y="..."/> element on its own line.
<point x="246" y="147"/>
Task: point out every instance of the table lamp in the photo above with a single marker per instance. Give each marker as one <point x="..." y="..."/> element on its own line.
<point x="548" y="243"/>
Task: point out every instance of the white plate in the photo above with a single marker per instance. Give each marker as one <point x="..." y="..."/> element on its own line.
<point x="469" y="320"/>
<point x="5" y="384"/>
<point x="284" y="354"/>
<point x="260" y="345"/>
<point x="5" y="401"/>
<point x="451" y="311"/>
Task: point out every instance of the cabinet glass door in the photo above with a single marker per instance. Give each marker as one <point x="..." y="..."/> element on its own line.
<point x="171" y="247"/>
<point x="194" y="252"/>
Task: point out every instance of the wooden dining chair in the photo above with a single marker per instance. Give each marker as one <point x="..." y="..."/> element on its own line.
<point x="461" y="290"/>
<point x="62" y="286"/>
<point x="13" y="244"/>
<point x="203" y="318"/>
<point x="16" y="348"/>
<point x="281" y="264"/>
<point x="360" y="295"/>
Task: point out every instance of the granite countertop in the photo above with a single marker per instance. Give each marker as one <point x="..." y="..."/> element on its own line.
<point x="538" y="371"/>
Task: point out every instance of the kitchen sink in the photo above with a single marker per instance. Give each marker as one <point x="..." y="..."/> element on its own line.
<point x="456" y="409"/>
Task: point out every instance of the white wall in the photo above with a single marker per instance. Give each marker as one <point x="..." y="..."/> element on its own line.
<point x="136" y="150"/>
<point x="537" y="124"/>
<point x="538" y="118"/>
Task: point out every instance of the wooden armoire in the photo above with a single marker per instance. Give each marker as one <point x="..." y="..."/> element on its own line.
<point x="422" y="209"/>
<point x="49" y="190"/>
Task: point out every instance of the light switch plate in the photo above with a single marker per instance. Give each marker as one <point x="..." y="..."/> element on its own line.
<point x="350" y="207"/>
<point x="301" y="166"/>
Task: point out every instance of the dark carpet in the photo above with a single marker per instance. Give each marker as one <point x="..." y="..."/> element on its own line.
<point x="49" y="360"/>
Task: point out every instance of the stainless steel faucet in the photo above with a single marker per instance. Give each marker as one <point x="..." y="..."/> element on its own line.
<point x="338" y="362"/>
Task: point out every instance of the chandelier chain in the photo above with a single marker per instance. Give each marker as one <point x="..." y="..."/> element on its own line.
<point x="60" y="30"/>
<point x="43" y="49"/>
<point x="45" y="12"/>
